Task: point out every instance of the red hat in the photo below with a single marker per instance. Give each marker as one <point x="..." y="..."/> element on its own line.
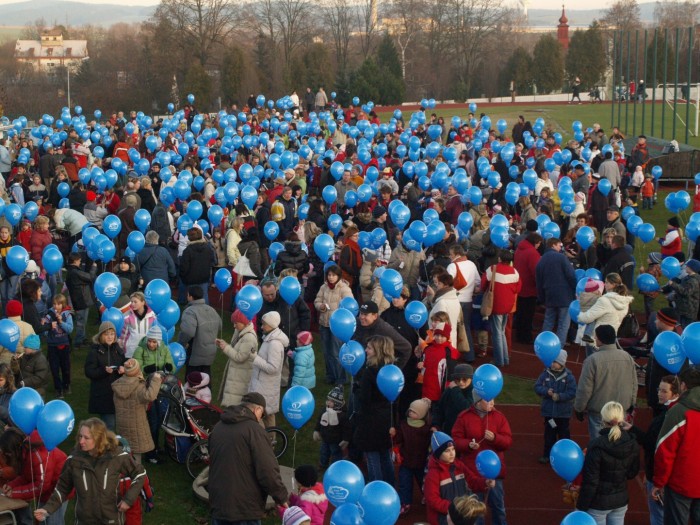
<point x="592" y="285"/>
<point x="14" y="309"/>
<point x="443" y="329"/>
<point x="90" y="196"/>
<point x="305" y="338"/>
<point x="239" y="317"/>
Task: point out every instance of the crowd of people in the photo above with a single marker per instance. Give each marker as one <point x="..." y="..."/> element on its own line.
<point x="484" y="228"/>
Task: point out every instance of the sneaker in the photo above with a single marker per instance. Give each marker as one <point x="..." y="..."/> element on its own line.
<point x="405" y="509"/>
<point x="544" y="460"/>
<point x="59" y="394"/>
<point x="587" y="339"/>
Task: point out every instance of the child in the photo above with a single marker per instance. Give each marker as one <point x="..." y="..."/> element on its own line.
<point x="439" y="360"/>
<point x="592" y="291"/>
<point x="466" y="510"/>
<point x="58" y="337"/>
<point x="198" y="386"/>
<point x="456" y="397"/>
<point x="295" y="516"/>
<point x="25" y="235"/>
<point x="448" y="478"/>
<point x="310" y="497"/>
<point x="413" y="438"/>
<point x="435" y="319"/>
<point x="653" y="268"/>
<point x="557" y="388"/>
<point x="127" y="270"/>
<point x="303" y="355"/>
<point x="648" y="193"/>
<point x="333" y="428"/>
<point x="217" y="242"/>
<point x="31" y="368"/>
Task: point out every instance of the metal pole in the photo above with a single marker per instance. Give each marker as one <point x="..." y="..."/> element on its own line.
<point x="614" y="80"/>
<point x="619" y="106"/>
<point x="689" y="83"/>
<point x="675" y="85"/>
<point x="646" y="77"/>
<point x="653" y="93"/>
<point x="636" y="77"/>
<point x="68" y="74"/>
<point x="663" y="106"/>
<point x="629" y="81"/>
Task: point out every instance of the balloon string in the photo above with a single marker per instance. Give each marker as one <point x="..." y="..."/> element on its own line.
<point x="294" y="449"/>
<point x="221" y="331"/>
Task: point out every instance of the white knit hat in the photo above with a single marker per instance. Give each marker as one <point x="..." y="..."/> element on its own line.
<point x="272" y="319"/>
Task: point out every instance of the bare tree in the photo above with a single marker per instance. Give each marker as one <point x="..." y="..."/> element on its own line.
<point x="622" y="15"/>
<point x="367" y="25"/>
<point x="677" y="13"/>
<point x="337" y="15"/>
<point x="407" y="16"/>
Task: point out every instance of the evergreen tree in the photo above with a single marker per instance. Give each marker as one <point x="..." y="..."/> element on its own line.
<point x="548" y="64"/>
<point x="391" y="86"/>
<point x="585" y="58"/>
<point x="198" y="82"/>
<point x="232" y="70"/>
<point x="518" y="70"/>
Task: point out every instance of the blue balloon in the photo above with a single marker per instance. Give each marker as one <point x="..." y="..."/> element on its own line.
<point x="17" y="259"/>
<point x="668" y="351"/>
<point x="290" y="289"/>
<point x="391" y="283"/>
<point x="343" y="324"/>
<point x="670" y="267"/>
<point x="136" y="241"/>
<point x="55" y="423"/>
<point x="142" y="220"/>
<point x="223" y="279"/>
<point x="9" y="334"/>
<point x="272" y="230"/>
<point x="566" y="458"/>
<point x="298" y="406"/>
<point x="275" y="249"/>
<point x="112" y="225"/>
<point x="114" y="316"/>
<point x="488" y="381"/>
<point x="416" y="314"/>
<point x="646" y="232"/>
<point x="604" y="186"/>
<point x="647" y="283"/>
<point x="500" y="237"/>
<point x="106" y="250"/>
<point x="585" y="237"/>
<point x="25" y="406"/>
<point x="627" y="212"/>
<point x="551" y="231"/>
<point x="379" y="503"/>
<point x="352" y="356"/>
<point x="690" y="340"/>
<point x="488" y="464"/>
<point x="31" y="210"/>
<point x="578" y="517"/>
<point x="343" y="483"/>
<point x="418" y="231"/>
<point x="179" y="355"/>
<point x="594" y="273"/>
<point x="52" y="260"/>
<point x="390" y="381"/>
<point x="324" y="246"/>
<point x="107" y="288"/>
<point x="157" y="294"/>
<point x="346" y="514"/>
<point x="574" y="310"/>
<point x="194" y="210"/>
<point x="547" y="347"/>
<point x="335" y="223"/>
<point x="330" y="194"/>
<point x="350" y="304"/>
<point x="249" y="300"/>
<point x="169" y="315"/>
<point x="63" y="189"/>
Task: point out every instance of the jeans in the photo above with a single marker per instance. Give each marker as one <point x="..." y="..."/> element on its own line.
<point x="496" y="502"/>
<point x="110" y="420"/>
<point x="59" y="362"/>
<point x="214" y="521"/>
<point x="379" y="466"/>
<point x="595" y="424"/>
<point x="329" y="454"/>
<point x="155" y="415"/>
<point x="609" y="517"/>
<point x="335" y="374"/>
<point x="7" y="289"/>
<point x="81" y="317"/>
<point x="498" y="334"/>
<point x="406" y="477"/>
<point x="679" y="510"/>
<point x="559" y="317"/>
<point x="25" y="516"/>
<point x="656" y="510"/>
<point x="647" y="203"/>
<point x="467" y="314"/>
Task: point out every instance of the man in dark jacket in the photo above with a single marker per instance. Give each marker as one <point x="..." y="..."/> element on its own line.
<point x="160" y="223"/>
<point x="199" y="327"/>
<point x="621" y="262"/>
<point x="196" y="262"/>
<point x="290" y="213"/>
<point x="238" y="443"/>
<point x="48" y="163"/>
<point x="79" y="284"/>
<point x="556" y="288"/>
<point x="370" y="325"/>
<point x="154" y="261"/>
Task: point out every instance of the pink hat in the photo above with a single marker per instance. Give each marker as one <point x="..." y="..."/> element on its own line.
<point x="305" y="338"/>
<point x="593" y="285"/>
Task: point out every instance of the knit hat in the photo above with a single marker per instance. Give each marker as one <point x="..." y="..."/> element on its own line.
<point x="531" y="225"/>
<point x="125" y="259"/>
<point x="194" y="379"/>
<point x="14" y="308"/>
<point x="294" y="516"/>
<point x="655" y="258"/>
<point x="694" y="265"/>
<point x="420" y="407"/>
<point x="336" y="397"/>
<point x="606" y="334"/>
<point x="306" y="475"/>
<point x="132" y="368"/>
<point x="254" y="398"/>
<point x="439" y="442"/>
<point x="31" y="267"/>
<point x="305" y="338"/>
<point x="239" y="317"/>
<point x="667" y="316"/>
<point x="561" y="358"/>
<point x="272" y="319"/>
<point x="32" y="342"/>
<point x="443" y="329"/>
<point x="462" y="371"/>
<point x="104" y="326"/>
<point x="476" y="397"/>
<point x="378" y="211"/>
<point x="154" y="332"/>
<point x="90" y="196"/>
<point x="592" y="285"/>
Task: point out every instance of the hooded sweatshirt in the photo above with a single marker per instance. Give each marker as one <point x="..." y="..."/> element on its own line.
<point x="610" y="308"/>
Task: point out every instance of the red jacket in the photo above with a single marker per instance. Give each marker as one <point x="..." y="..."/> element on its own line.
<point x="38" y="242"/>
<point x="40" y="472"/>
<point x="673" y="242"/>
<point x="506" y="288"/>
<point x="435" y="366"/>
<point x="470" y="425"/>
<point x="525" y="260"/>
<point x="443" y="484"/>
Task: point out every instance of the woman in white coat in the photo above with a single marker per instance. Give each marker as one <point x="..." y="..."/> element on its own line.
<point x="241" y="354"/>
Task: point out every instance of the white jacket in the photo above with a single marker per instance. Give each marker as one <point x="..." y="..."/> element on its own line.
<point x="449" y="303"/>
<point x="267" y="369"/>
<point x="610" y="308"/>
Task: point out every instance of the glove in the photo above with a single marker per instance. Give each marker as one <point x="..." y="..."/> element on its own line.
<point x="317" y="435"/>
<point x="168" y="367"/>
<point x="343" y="444"/>
<point x="580" y="415"/>
<point x="149" y="369"/>
<point x="290" y="353"/>
<point x="555" y="396"/>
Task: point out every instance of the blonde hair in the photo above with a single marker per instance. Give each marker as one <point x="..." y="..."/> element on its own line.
<point x="287" y="272"/>
<point x="612" y="415"/>
<point x="311" y="231"/>
<point x="383" y="351"/>
<point x="440" y="317"/>
<point x="469" y="506"/>
<point x="41" y="219"/>
<point x="138" y="295"/>
<point x="59" y="298"/>
<point x="105" y="439"/>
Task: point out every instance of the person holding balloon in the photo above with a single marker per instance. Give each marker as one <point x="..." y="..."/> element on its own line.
<point x="41" y="238"/>
<point x="9" y="277"/>
<point x="350" y="261"/>
<point x="687" y="293"/>
<point x="137" y="321"/>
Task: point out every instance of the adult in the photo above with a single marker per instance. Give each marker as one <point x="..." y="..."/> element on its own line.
<point x="611" y="460"/>
<point x="267" y="365"/>
<point x="607" y="375"/>
<point x="556" y="288"/>
<point x="41" y="238"/>
<point x="132" y="395"/>
<point x="199" y="325"/>
<point x="640" y="154"/>
<point x="94" y="213"/>
<point x="620" y="262"/>
<point x="292" y="257"/>
<point x="442" y="297"/>
<point x="327" y="301"/>
<point x="5" y="159"/>
<point x="154" y="261"/>
<point x="465" y="278"/>
<point x="609" y="169"/>
<point x="525" y="261"/>
<point x="239" y="444"/>
<point x="241" y="352"/>
<point x="615" y="220"/>
<point x="196" y="262"/>
<point x="344" y="185"/>
<point x="409" y="264"/>
<point x="94" y="470"/>
<point x="309" y="100"/>
<point x="289" y="219"/>
<point x="350" y="261"/>
<point x="103" y="366"/>
<point x="321" y="100"/>
<point x="30" y="292"/>
<point x="137" y="321"/>
<point x="611" y="307"/>
<point x="371" y="325"/>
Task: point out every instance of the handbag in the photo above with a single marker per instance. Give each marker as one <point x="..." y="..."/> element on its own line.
<point x="462" y="339"/>
<point x="243" y="268"/>
<point x="487" y="299"/>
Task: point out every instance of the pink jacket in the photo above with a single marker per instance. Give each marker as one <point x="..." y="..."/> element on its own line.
<point x="313" y="502"/>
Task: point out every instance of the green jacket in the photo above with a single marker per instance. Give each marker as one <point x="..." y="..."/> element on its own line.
<point x="154" y="361"/>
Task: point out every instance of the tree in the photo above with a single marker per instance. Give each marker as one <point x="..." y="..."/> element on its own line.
<point x="367" y="25"/>
<point x="233" y="68"/>
<point x="585" y="57"/>
<point x="198" y="82"/>
<point x="317" y="66"/>
<point x="623" y="15"/>
<point x="391" y="84"/>
<point x="517" y="70"/>
<point x="665" y="64"/>
<point x="677" y="13"/>
<point x="337" y="15"/>
<point x="364" y="81"/>
<point x="548" y="64"/>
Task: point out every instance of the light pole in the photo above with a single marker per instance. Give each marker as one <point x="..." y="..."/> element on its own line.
<point x="68" y="79"/>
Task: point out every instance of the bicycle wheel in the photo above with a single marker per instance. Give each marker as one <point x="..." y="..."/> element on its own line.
<point x="278" y="440"/>
<point x="197" y="458"/>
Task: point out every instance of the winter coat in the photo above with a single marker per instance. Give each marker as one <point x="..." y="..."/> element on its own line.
<point x="294" y="319"/>
<point x="160" y="223"/>
<point x="304" y="368"/>
<point x="313" y="502"/>
<point x="196" y="263"/>
<point x="671" y="243"/>
<point x="562" y="383"/>
<point x="32" y="370"/>
<point x="135" y="329"/>
<point x="438" y="362"/>
<point x="101" y="396"/>
<point x="251" y="250"/>
<point x="446" y="301"/>
<point x="647" y="440"/>
<point x="64" y="327"/>
<point x="267" y="369"/>
<point x="331" y="431"/>
<point x="38" y="242"/>
<point x="239" y="444"/>
<point x="154" y="262"/>
<point x="607" y="375"/>
<point x="79" y="284"/>
<point x="606" y="469"/>
<point x="30" y="314"/>
<point x="233" y="239"/>
<point x="414" y="443"/>
<point x="241" y="354"/>
<point x="622" y="263"/>
<point x="687" y="296"/>
<point x="555" y="280"/>
<point x="40" y="472"/>
<point x="96" y="484"/>
<point x="292" y="257"/>
<point x="158" y="360"/>
<point x="610" y="308"/>
<point x="95" y="214"/>
<point x="199" y="326"/>
<point x="470" y="425"/>
<point x="443" y="483"/>
<point x="453" y="401"/>
<point x="407" y="263"/>
<point x="402" y="348"/>
<point x="132" y="395"/>
<point x="332" y="298"/>
<point x="372" y="418"/>
<point x="71" y="220"/>
<point x="25" y="329"/>
<point x="506" y="288"/>
<point x="525" y="261"/>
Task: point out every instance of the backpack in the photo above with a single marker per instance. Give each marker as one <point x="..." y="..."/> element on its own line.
<point x="459" y="280"/>
<point x="277" y="211"/>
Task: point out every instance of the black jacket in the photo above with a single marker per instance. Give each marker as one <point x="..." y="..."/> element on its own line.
<point x="648" y="440"/>
<point x="154" y="262"/>
<point x="196" y="263"/>
<point x="396" y="318"/>
<point x="292" y="257"/>
<point x="622" y="263"/>
<point x="160" y="223"/>
<point x="31" y="315"/>
<point x="372" y="418"/>
<point x="402" y="348"/>
<point x="251" y="249"/>
<point x="607" y="468"/>
<point x="101" y="395"/>
<point x="148" y="201"/>
<point x="79" y="284"/>
<point x="294" y="319"/>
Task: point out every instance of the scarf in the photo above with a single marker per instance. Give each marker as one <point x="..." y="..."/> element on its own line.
<point x="332" y="286"/>
<point x="356" y="252"/>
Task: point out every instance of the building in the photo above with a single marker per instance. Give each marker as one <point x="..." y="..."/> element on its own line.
<point x="563" y="30"/>
<point x="51" y="52"/>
